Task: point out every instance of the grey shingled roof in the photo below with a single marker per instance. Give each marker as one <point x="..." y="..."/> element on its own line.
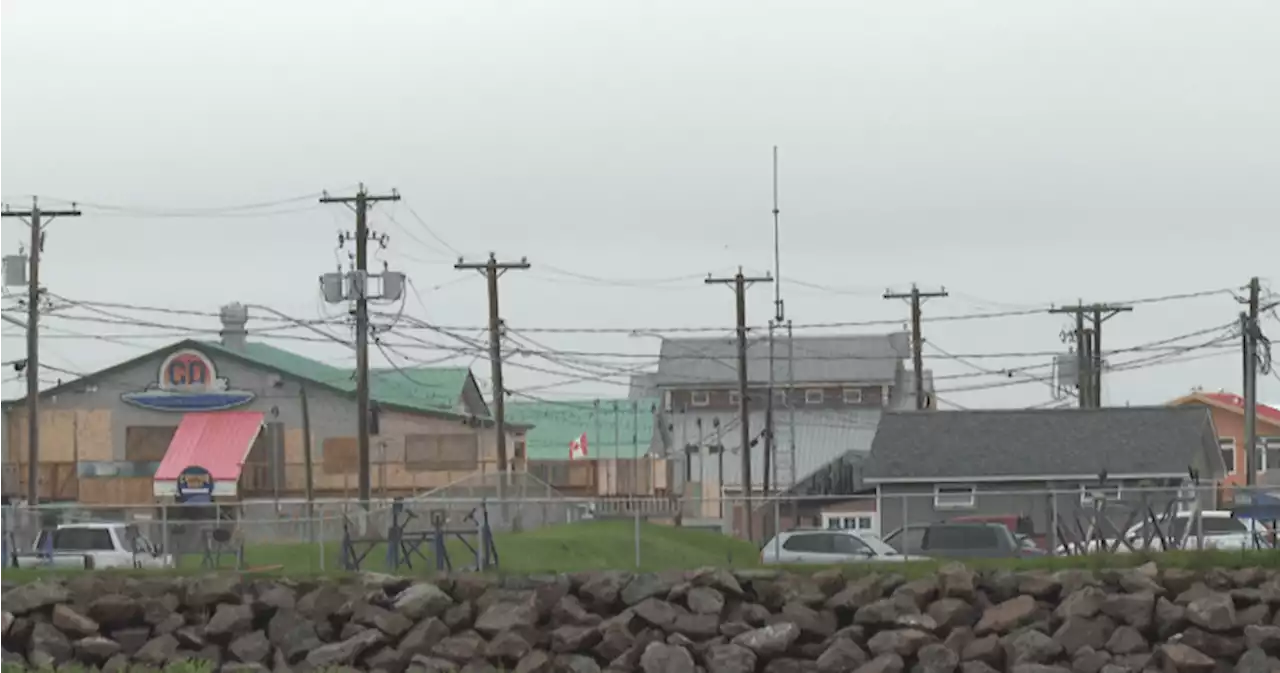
<point x="863" y="358"/>
<point x="820" y="438"/>
<point x="1024" y="443"/>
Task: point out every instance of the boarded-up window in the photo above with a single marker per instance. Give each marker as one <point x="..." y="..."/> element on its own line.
<point x="341" y="455"/>
<point x="441" y="452"/>
<point x="147" y="443"/>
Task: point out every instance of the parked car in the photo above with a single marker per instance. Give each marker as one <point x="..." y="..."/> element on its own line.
<point x="829" y="547"/>
<point x="1221" y="531"/>
<point x="1019" y="524"/>
<point x="93" y="546"/>
<point x="959" y="540"/>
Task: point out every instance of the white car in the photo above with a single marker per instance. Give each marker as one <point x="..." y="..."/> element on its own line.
<point x="832" y="546"/>
<point x="93" y="546"/>
<point x="1221" y="531"/>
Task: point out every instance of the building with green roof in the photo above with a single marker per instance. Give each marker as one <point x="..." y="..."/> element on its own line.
<point x="105" y="435"/>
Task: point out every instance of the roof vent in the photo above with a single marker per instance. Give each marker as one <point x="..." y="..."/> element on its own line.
<point x="233" y="334"/>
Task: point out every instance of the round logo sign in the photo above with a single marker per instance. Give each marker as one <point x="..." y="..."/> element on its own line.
<point x="195" y="482"/>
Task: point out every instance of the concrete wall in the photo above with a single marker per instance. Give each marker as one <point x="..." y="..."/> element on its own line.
<point x="86" y="425"/>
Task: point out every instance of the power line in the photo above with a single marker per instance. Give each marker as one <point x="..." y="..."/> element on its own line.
<point x="917" y="299"/>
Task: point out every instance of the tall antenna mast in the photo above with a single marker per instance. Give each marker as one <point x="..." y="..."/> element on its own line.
<point x="779" y="312"/>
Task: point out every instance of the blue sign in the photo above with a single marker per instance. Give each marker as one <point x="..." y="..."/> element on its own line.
<point x="195" y="484"/>
<point x="188" y="382"/>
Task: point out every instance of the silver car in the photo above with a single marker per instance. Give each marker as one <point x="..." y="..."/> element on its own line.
<point x="830" y="547"/>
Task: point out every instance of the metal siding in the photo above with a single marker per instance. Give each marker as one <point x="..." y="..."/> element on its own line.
<point x="217" y="441"/>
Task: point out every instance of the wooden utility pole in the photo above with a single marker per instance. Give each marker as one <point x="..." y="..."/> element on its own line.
<point x="917" y="338"/>
<point x="1251" y="334"/>
<point x="36" y="219"/>
<point x="740" y="284"/>
<point x="1089" y="347"/>
<point x="306" y="460"/>
<point x="492" y="270"/>
<point x="362" y="200"/>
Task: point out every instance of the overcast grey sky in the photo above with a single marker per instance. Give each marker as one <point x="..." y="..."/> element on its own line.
<point x="1021" y="153"/>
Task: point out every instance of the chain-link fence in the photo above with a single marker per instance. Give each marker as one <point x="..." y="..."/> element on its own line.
<point x="534" y="528"/>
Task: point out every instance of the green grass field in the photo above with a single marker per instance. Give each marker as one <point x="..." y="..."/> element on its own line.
<point x="599" y="545"/>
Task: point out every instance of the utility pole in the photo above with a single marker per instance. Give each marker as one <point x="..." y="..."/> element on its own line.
<point x="1251" y="334"/>
<point x="917" y="339"/>
<point x="492" y="270"/>
<point x="1089" y="358"/>
<point x="306" y="460"/>
<point x="740" y="284"/>
<point x="362" y="199"/>
<point x="36" y="219"/>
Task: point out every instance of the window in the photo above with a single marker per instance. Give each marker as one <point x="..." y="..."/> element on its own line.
<point x="456" y="452"/>
<point x="1090" y="494"/>
<point x="817" y="543"/>
<point x="859" y="522"/>
<point x="734" y="398"/>
<point x="699" y="398"/>
<point x="907" y="540"/>
<point x="813" y="396"/>
<point x="954" y="497"/>
<point x="1268" y="453"/>
<point x="848" y="544"/>
<point x="853" y="396"/>
<point x="338" y="455"/>
<point x="1227" y="445"/>
<point x="81" y="539"/>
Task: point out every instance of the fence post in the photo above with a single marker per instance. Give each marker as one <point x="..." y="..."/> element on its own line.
<point x="165" y="541"/>
<point x="906" y="521"/>
<point x="322" y="518"/>
<point x="1054" y="542"/>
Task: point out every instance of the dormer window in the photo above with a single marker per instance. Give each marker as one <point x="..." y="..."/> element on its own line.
<point x="813" y="396"/>
<point x="853" y="396"/>
<point x="734" y="398"/>
<point x="700" y="398"/>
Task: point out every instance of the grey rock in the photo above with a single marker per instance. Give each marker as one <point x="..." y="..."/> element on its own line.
<point x="885" y="663"/>
<point x="952" y="613"/>
<point x="646" y="585"/>
<point x="1213" y="612"/>
<point x="902" y="642"/>
<point x="229" y="622"/>
<point x="72" y="623"/>
<point x="730" y="658"/>
<point x="422" y="600"/>
<point x="1038" y="668"/>
<point x="292" y="635"/>
<point x="95" y="649"/>
<point x="705" y="600"/>
<point x="842" y="655"/>
<point x="1180" y="658"/>
<point x="1031" y="647"/>
<point x="1265" y="638"/>
<point x="461" y="648"/>
<point x="1136" y="610"/>
<point x="113" y="611"/>
<point x="657" y="612"/>
<point x="536" y="661"/>
<point x="856" y="594"/>
<point x="986" y="649"/>
<point x="664" y="658"/>
<point x="34" y="596"/>
<point x="955" y="580"/>
<point x="936" y="658"/>
<point x="769" y="641"/>
<point x="425" y="664"/>
<point x="1078" y="632"/>
<point x="1217" y="645"/>
<point x="251" y="648"/>
<point x="391" y="623"/>
<point x="573" y="638"/>
<point x="1006" y="616"/>
<point x="345" y="652"/>
<point x="209" y="590"/>
<point x="1127" y="640"/>
<point x="50" y="641"/>
<point x="1085" y="603"/>
<point x="424" y="636"/>
<point x="158" y="651"/>
<point x="506" y="616"/>
<point x="131" y="639"/>
<point x="1089" y="660"/>
<point x="508" y="648"/>
<point x="1170" y="618"/>
<point x="976" y="667"/>
<point x="1257" y="661"/>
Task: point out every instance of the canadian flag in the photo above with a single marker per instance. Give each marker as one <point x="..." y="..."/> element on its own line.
<point x="578" y="447"/>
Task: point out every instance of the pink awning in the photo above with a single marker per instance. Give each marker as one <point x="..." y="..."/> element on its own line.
<point x="218" y="441"/>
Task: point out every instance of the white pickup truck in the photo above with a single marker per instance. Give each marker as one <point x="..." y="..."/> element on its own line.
<point x="93" y="546"/>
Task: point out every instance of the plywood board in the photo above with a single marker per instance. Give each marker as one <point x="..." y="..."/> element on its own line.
<point x="293" y="449"/>
<point x="94" y="436"/>
<point x="57" y="436"/>
<point x="116" y="491"/>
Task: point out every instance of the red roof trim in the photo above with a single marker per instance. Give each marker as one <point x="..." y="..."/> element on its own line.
<point x="218" y="441"/>
<point x="1235" y="403"/>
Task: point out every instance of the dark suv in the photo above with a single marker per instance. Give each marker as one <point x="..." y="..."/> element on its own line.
<point x="958" y="540"/>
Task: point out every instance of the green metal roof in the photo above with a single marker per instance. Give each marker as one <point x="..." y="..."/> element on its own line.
<point x="556" y="423"/>
<point x="433" y="389"/>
